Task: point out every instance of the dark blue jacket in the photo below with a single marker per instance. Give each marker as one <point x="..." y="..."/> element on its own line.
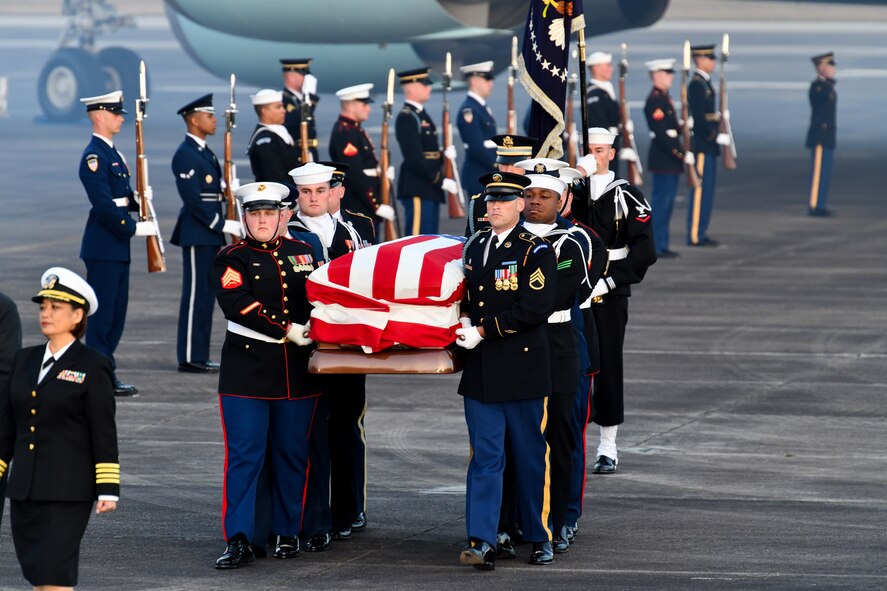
<point x="666" y="148"/>
<point x="421" y="172"/>
<point x="476" y="125"/>
<point x="706" y="118"/>
<point x="198" y="180"/>
<point x="105" y="176"/>
<point x="823" y="103"/>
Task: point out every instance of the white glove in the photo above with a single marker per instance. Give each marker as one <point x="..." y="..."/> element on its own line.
<point x="298" y="333"/>
<point x="386" y="212"/>
<point x="233" y="227"/>
<point x="600" y="288"/>
<point x="690" y="159"/>
<point x="587" y="163"/>
<point x="390" y="173"/>
<point x="628" y="154"/>
<point x="726" y="114"/>
<point x="449" y="186"/>
<point x="450" y="152"/>
<point x="629" y="126"/>
<point x="690" y="122"/>
<point x="465" y="321"/>
<point x="309" y="85"/>
<point x="490" y="144"/>
<point x="468" y="338"/>
<point x="146" y="229"/>
<point x="235" y="184"/>
<point x="723" y="139"/>
<point x="574" y="137"/>
<point x="149" y="193"/>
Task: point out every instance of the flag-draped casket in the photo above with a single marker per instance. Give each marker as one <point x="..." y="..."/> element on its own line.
<point x="404" y="292"/>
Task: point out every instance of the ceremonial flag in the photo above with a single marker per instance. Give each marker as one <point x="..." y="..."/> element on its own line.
<point x="543" y="66"/>
<point x="404" y="291"/>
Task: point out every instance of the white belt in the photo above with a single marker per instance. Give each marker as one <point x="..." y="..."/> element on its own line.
<point x="559" y="317"/>
<point x="617" y="254"/>
<point x="371" y="172"/>
<point x="252" y="334"/>
<point x="121" y="202"/>
<point x="218" y="197"/>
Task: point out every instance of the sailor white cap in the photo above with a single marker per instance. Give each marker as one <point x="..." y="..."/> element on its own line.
<point x="64" y="285"/>
<point x="599" y="57"/>
<point x="262" y="195"/>
<point x="359" y="92"/>
<point x="544" y="173"/>
<point x="600" y="135"/>
<point x="312" y="174"/>
<point x="266" y="96"/>
<point x="666" y="65"/>
<point x="113" y="101"/>
<point x="484" y="69"/>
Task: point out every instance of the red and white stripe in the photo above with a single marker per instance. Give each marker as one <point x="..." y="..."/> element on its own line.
<point x="405" y="291"/>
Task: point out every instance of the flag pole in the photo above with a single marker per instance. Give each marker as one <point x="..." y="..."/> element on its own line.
<point x="583" y="88"/>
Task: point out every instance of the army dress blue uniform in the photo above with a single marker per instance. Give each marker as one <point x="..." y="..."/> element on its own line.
<point x="476" y="126"/>
<point x="665" y="161"/>
<point x="821" y="137"/>
<point x="267" y="397"/>
<point x="419" y="182"/>
<point x="706" y="123"/>
<point x="506" y="378"/>
<point x="198" y="231"/>
<point x="272" y="154"/>
<point x="350" y="144"/>
<point x="105" y="245"/>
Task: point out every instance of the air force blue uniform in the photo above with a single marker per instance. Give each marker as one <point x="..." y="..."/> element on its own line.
<point x="476" y="126"/>
<point x="105" y="246"/>
<point x="198" y="231"/>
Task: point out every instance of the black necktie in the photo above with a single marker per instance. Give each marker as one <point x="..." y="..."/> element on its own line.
<point x="48" y="362"/>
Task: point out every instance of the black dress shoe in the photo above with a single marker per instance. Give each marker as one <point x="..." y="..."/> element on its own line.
<point x="259" y="551"/>
<point x="208" y="367"/>
<point x="542" y="553"/>
<point x="360" y="522"/>
<point x="344" y="534"/>
<point x="479" y="554"/>
<point x="318" y="543"/>
<point x="604" y="465"/>
<point x="504" y="547"/>
<point x="572" y="530"/>
<point x="821" y="212"/>
<point x="237" y="554"/>
<point x="561" y="542"/>
<point x="121" y="389"/>
<point x="666" y="254"/>
<point x="286" y="547"/>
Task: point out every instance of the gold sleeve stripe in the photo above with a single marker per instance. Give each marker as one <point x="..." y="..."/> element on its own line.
<point x="108" y="465"/>
<point x="250" y="308"/>
<point x="107" y="472"/>
<point x="3" y="465"/>
<point x="107" y="481"/>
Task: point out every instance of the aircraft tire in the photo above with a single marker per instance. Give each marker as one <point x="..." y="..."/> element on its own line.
<point x="68" y="75"/>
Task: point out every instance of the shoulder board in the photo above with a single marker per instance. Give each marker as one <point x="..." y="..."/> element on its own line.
<point x="358" y="214"/>
<point x="530" y="237"/>
<point x="473" y="197"/>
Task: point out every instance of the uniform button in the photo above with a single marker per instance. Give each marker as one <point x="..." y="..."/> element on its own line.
<point x="275" y="253"/>
<point x="286" y="311"/>
<point x="480" y="304"/>
<point x="264" y="245"/>
<point x="33" y="393"/>
<point x="286" y="298"/>
<point x="246" y="346"/>
<point x="257" y="276"/>
<point x="283" y="273"/>
<point x="273" y="317"/>
<point x="526" y="349"/>
<point x="481" y="288"/>
<point x="31" y="446"/>
<point x="33" y="428"/>
<point x="279" y="262"/>
<point x="122" y="222"/>
<point x="285" y="286"/>
<point x="33" y="411"/>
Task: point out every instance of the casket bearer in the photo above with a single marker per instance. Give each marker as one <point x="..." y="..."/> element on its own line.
<point x="506" y="379"/>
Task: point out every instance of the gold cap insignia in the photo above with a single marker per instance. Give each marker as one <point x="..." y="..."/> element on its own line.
<point x="51" y="282"/>
<point x="508" y="142"/>
<point x="497" y="178"/>
<point x="260" y="188"/>
<point x="539" y="168"/>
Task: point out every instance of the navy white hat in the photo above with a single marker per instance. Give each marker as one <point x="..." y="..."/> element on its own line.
<point x="302" y="65"/>
<point x="825" y="58"/>
<point x="503" y="186"/>
<point x="599" y="57"/>
<point x="483" y="69"/>
<point x="312" y="173"/>
<point x="359" y="92"/>
<point x="254" y="196"/>
<point x="64" y="285"/>
<point x="202" y="105"/>
<point x="113" y="102"/>
<point x="266" y="96"/>
<point x="421" y="75"/>
<point x="666" y="65"/>
<point x="513" y="148"/>
<point x="600" y="135"/>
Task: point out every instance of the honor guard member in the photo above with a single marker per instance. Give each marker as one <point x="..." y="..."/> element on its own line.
<point x="350" y="144"/>
<point x="476" y="126"/>
<point x="821" y="137"/>
<point x="603" y="106"/>
<point x="109" y="227"/>
<point x="272" y="150"/>
<point x="666" y="157"/>
<point x="544" y="197"/>
<point x="364" y="225"/>
<point x="200" y="232"/>
<point x="11" y="328"/>
<point x="421" y="184"/>
<point x="338" y="446"/>
<point x="299" y="85"/>
<point x="509" y="150"/>
<point x="620" y="215"/>
<point x="266" y="394"/>
<point x="707" y="142"/>
<point x="510" y="291"/>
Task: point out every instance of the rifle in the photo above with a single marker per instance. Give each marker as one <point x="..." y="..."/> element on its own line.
<point x="233" y="212"/>
<point x="455" y="201"/>
<point x="570" y="128"/>
<point x="729" y="151"/>
<point x="303" y="128"/>
<point x="692" y="175"/>
<point x="391" y="232"/>
<point x="634" y="168"/>
<point x="156" y="261"/>
<point x="512" y="73"/>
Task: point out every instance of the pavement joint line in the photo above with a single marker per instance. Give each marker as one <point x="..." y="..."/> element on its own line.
<point x="777" y="354"/>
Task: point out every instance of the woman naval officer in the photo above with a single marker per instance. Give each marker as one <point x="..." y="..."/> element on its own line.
<point x="57" y="420"/>
<point x="266" y="395"/>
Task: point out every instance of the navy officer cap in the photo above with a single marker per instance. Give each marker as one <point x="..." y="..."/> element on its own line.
<point x="202" y="105"/>
<point x="503" y="186"/>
